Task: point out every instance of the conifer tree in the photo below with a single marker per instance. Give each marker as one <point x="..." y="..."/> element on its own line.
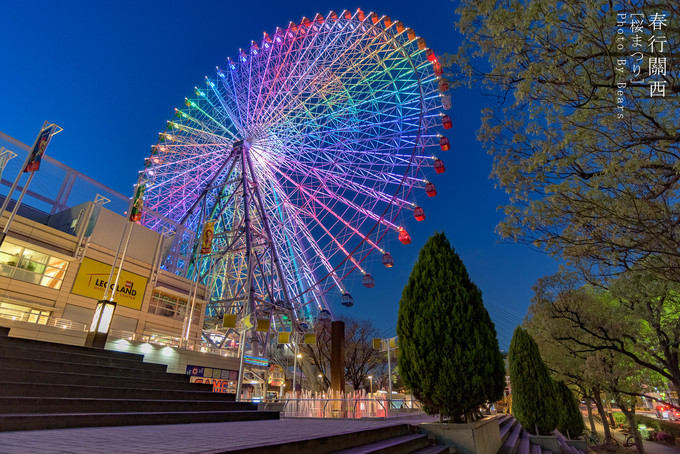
<point x="450" y="358"/>
<point x="570" y="419"/>
<point x="533" y="391"/>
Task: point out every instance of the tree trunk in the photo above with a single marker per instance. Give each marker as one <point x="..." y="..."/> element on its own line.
<point x="590" y="415"/>
<point x="630" y="417"/>
<point x="441" y="418"/>
<point x="600" y="410"/>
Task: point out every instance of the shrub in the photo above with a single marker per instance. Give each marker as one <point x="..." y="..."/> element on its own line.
<point x="570" y="419"/>
<point x="533" y="392"/>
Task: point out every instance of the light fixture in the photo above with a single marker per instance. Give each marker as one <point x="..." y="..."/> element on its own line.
<point x="101" y="323"/>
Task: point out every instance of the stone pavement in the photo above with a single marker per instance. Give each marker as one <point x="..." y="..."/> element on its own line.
<point x="184" y="438"/>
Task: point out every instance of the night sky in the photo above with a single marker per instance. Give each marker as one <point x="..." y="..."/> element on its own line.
<point x="111" y="73"/>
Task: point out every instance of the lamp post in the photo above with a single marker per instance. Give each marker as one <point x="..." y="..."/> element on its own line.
<point x="297" y="355"/>
<point x="101" y="322"/>
<point x="370" y="377"/>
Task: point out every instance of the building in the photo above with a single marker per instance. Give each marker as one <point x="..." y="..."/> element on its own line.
<point x="55" y="264"/>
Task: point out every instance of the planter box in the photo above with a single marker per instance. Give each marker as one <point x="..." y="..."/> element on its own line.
<point x="479" y="437"/>
<point x="547" y="442"/>
<point x="581" y="445"/>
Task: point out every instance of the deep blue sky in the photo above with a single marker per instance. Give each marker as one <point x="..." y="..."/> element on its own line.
<point x="111" y="73"/>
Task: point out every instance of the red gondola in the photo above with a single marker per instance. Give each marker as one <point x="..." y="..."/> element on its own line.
<point x="446" y="102"/>
<point x="387" y="260"/>
<point x="430" y="55"/>
<point x="443" y="85"/>
<point x="404" y="237"/>
<point x="368" y="281"/>
<point x="400" y="26"/>
<point x="439" y="166"/>
<point x="446" y="122"/>
<point x="430" y="190"/>
<point x="438" y="68"/>
<point x="419" y="214"/>
<point x="444" y="143"/>
<point x="387" y="21"/>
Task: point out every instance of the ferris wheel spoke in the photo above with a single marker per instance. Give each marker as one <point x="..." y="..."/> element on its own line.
<point x="336" y="116"/>
<point x="354" y="68"/>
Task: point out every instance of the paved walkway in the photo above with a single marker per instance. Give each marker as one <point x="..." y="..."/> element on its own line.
<point x="183" y="438"/>
<point x="650" y="446"/>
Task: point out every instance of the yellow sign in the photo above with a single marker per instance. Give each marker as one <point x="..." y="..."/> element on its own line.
<point x="229" y="321"/>
<point x="92" y="278"/>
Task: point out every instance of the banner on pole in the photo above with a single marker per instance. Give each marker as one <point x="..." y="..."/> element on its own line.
<point x="38" y="149"/>
<point x="137" y="204"/>
<point x="207" y="236"/>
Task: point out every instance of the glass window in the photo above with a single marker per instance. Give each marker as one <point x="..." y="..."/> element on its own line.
<point x="171" y="306"/>
<point x="28" y="265"/>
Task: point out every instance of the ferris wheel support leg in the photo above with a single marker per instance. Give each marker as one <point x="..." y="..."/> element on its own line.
<point x="275" y="254"/>
<point x="250" y="302"/>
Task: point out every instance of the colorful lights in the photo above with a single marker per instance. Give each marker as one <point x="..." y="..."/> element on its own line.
<point x="337" y="164"/>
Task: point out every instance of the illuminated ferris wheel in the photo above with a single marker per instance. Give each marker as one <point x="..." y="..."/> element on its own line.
<point x="307" y="151"/>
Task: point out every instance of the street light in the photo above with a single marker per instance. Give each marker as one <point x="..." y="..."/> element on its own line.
<point x="297" y="356"/>
<point x="370" y="377"/>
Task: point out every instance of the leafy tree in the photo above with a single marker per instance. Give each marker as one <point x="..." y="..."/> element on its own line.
<point x="533" y="391"/>
<point x="360" y="357"/>
<point x="570" y="419"/>
<point x="638" y="318"/>
<point x="564" y="364"/>
<point x="587" y="155"/>
<point x="450" y="358"/>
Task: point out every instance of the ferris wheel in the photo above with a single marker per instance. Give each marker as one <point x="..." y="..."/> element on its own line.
<point x="308" y="152"/>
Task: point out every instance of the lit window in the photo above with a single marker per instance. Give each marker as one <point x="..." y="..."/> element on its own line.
<point x="17" y="262"/>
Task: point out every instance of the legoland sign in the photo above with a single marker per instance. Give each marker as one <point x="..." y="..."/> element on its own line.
<point x="92" y="279"/>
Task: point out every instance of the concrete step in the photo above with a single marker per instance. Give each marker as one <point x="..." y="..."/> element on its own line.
<point x="88" y="357"/>
<point x="166" y="381"/>
<point x="329" y="444"/>
<point x="507" y="427"/>
<point x="30" y="364"/>
<point x="11" y="422"/>
<point x="34" y="389"/>
<point x="524" y="444"/>
<point x="511" y="442"/>
<point x="56" y="405"/>
<point x="404" y="444"/>
<point x="432" y="449"/>
<point x="55" y="347"/>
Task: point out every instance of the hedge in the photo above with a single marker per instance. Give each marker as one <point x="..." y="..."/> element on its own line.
<point x="671" y="428"/>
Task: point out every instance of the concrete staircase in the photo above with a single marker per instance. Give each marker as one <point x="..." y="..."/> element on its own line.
<point x="396" y="439"/>
<point x="46" y="386"/>
<point x="515" y="440"/>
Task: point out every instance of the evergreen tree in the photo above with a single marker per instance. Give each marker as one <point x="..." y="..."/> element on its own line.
<point x="450" y="358"/>
<point x="570" y="419"/>
<point x="533" y="392"/>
